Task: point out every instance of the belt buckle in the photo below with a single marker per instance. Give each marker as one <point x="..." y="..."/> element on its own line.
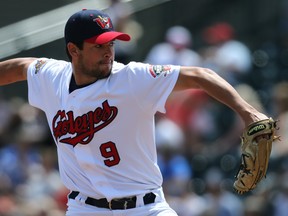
<point x="110" y="204"/>
<point x="125" y="205"/>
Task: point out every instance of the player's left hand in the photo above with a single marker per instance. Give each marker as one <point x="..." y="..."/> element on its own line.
<point x="256" y="148"/>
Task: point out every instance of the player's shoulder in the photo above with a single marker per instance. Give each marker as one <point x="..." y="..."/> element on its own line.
<point x="144" y="69"/>
<point x="130" y="67"/>
<point x="49" y="64"/>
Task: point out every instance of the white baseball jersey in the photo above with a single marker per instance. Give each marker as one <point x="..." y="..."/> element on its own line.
<point x="104" y="132"/>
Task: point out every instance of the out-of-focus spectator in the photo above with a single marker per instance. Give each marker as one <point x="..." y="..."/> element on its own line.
<point x="220" y="201"/>
<point x="188" y="203"/>
<point x="230" y="140"/>
<point x="121" y="14"/>
<point x="191" y="111"/>
<point x="280" y="101"/>
<point x="182" y="107"/>
<point x="17" y="157"/>
<point x="28" y="169"/>
<point x="176" y="170"/>
<point x="168" y="133"/>
<point x="8" y="204"/>
<point x="10" y="119"/>
<point x="43" y="178"/>
<point x="253" y="206"/>
<point x="176" y="49"/>
<point x="280" y="200"/>
<point x="173" y="164"/>
<point x="230" y="57"/>
<point x="44" y="185"/>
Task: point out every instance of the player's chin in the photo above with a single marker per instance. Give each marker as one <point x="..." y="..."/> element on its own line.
<point x="106" y="69"/>
<point x="105" y="72"/>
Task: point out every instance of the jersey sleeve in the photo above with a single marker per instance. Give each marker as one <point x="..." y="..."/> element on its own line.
<point x="152" y="84"/>
<point x="41" y="76"/>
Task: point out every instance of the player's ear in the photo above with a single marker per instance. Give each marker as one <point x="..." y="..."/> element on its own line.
<point x="72" y="49"/>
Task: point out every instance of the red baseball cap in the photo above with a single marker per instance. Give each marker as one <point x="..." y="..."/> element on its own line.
<point x="92" y="26"/>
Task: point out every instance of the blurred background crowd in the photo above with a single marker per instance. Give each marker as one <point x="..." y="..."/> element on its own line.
<point x="198" y="139"/>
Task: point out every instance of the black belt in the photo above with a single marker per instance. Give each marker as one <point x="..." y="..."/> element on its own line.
<point x="122" y="203"/>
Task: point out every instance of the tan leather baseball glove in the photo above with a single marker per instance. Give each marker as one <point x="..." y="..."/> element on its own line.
<point x="256" y="146"/>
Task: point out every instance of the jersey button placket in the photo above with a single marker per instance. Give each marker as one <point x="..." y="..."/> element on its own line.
<point x="72" y="100"/>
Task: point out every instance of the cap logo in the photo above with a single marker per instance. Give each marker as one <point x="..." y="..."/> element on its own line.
<point x="103" y="22"/>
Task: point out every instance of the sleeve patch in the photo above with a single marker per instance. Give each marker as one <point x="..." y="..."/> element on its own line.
<point x="157" y="70"/>
<point x="39" y="64"/>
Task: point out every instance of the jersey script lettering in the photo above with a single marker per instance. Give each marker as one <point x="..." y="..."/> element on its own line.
<point x="82" y="127"/>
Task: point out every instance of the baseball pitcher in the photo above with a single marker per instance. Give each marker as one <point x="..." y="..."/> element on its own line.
<point x="101" y="115"/>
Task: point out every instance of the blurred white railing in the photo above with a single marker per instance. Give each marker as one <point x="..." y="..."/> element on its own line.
<point x="49" y="26"/>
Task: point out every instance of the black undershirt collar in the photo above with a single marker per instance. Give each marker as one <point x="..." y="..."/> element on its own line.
<point x="73" y="86"/>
